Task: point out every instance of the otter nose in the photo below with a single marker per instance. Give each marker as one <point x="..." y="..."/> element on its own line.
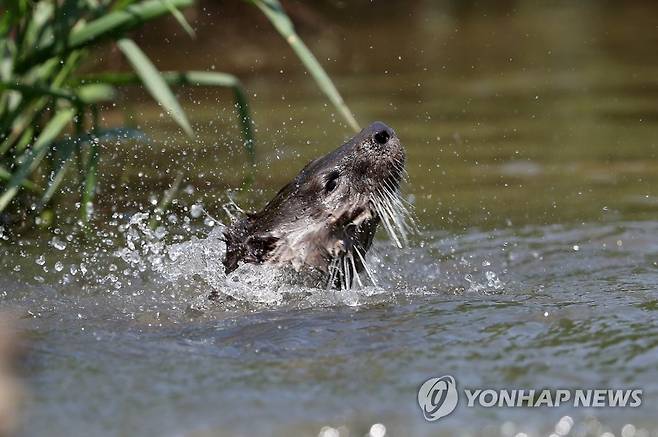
<point x="381" y="133"/>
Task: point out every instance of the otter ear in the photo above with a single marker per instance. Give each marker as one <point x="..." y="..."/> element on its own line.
<point x="260" y="246"/>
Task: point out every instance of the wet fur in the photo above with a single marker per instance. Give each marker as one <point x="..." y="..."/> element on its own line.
<point x="306" y="225"/>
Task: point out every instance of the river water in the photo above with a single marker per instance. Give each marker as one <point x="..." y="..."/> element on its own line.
<point x="532" y="141"/>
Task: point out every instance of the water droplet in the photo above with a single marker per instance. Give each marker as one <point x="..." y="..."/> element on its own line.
<point x="492" y="280"/>
<point x="160" y="232"/>
<point x="58" y="244"/>
<point x="196" y="210"/>
<point x="628" y="430"/>
<point x="377" y="430"/>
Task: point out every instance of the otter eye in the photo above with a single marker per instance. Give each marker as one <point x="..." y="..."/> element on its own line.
<point x="332" y="181"/>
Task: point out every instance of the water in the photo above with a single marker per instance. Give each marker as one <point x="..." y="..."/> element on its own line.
<point x="532" y="153"/>
<point x="509" y="308"/>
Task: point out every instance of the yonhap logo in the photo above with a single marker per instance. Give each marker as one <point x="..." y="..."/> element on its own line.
<point x="438" y="397"/>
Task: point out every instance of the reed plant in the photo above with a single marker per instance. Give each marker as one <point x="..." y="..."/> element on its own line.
<point x="49" y="108"/>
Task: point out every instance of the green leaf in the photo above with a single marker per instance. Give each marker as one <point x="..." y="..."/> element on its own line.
<point x="154" y="83"/>
<point x="132" y="15"/>
<point x="6" y="21"/>
<point x="178" y="15"/>
<point x="33" y="98"/>
<point x="7" y="53"/>
<point x="117" y="22"/>
<point x="277" y="16"/>
<point x="38" y="26"/>
<point x="37" y="91"/>
<point x="17" y="126"/>
<point x="35" y="154"/>
<point x="96" y="93"/>
<point x="122" y="4"/>
<point x="6" y="175"/>
<point x="90" y="180"/>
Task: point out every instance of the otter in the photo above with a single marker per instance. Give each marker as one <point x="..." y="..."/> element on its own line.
<point x="326" y="217"/>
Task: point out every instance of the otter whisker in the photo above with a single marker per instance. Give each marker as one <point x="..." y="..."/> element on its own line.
<point x="398" y="165"/>
<point x="383" y="212"/>
<point x="396" y="203"/>
<point x="389" y="184"/>
<point x="400" y="208"/>
<point x="377" y="203"/>
<point x="333" y="269"/>
<point x="356" y="274"/>
<point x="365" y="266"/>
<point x="394" y="214"/>
<point x="400" y="205"/>
<point x="391" y="188"/>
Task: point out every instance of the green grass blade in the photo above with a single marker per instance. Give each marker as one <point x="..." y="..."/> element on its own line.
<point x="18" y="138"/>
<point x="7" y="53"/>
<point x="154" y="83"/>
<point x="6" y="21"/>
<point x="66" y="154"/>
<point x="39" y="24"/>
<point x="90" y="180"/>
<point x="196" y="78"/>
<point x="33" y="99"/>
<point x="37" y="91"/>
<point x="121" y="20"/>
<point x="36" y="154"/>
<point x="210" y="78"/>
<point x="277" y="16"/>
<point x="177" y="78"/>
<point x="178" y="15"/>
<point x="246" y="124"/>
<point x="122" y="4"/>
<point x="114" y="23"/>
<point x="95" y="93"/>
<point x="24" y="139"/>
<point x="65" y="151"/>
<point x="6" y="176"/>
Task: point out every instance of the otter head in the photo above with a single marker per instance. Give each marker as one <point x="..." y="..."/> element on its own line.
<point x="327" y="216"/>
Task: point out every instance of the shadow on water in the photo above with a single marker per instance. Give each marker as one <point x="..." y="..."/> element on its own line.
<point x="531" y="132"/>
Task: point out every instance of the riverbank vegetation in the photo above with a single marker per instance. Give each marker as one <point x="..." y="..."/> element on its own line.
<point x="51" y="101"/>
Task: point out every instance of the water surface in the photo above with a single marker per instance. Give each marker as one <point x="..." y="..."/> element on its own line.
<point x="531" y="134"/>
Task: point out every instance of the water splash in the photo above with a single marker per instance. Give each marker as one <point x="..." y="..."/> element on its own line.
<point x="199" y="260"/>
<point x="179" y="265"/>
